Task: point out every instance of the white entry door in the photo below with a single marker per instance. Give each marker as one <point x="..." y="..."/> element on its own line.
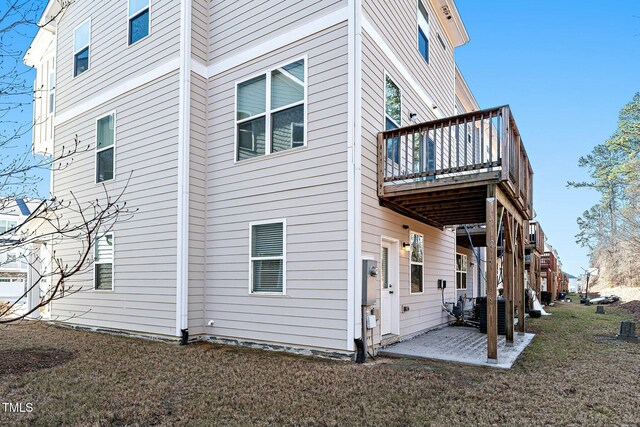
<point x="389" y="288"/>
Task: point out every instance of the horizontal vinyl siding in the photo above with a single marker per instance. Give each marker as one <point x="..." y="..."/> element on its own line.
<point x="439" y="246"/>
<point x="239" y="24"/>
<point x="306" y="186"/>
<point x="145" y="245"/>
<point x="197" y="203"/>
<point x="111" y="58"/>
<point x="200" y="29"/>
<point x="396" y="22"/>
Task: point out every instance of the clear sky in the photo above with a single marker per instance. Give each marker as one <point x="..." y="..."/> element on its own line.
<point x="566" y="68"/>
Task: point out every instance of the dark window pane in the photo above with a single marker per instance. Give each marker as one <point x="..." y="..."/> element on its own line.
<point x="423" y="45"/>
<point x="105" y="165"/>
<point x="416" y="278"/>
<point x="267" y="240"/>
<point x="251" y="139"/>
<point x="139" y="27"/>
<point x="288" y="129"/>
<point x="81" y="61"/>
<point x="103" y="276"/>
<point x="267" y="275"/>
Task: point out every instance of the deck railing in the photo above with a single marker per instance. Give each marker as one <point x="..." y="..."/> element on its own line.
<point x="463" y="145"/>
<point x="536" y="237"/>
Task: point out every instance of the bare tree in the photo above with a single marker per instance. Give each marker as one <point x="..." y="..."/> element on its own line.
<point x="52" y="220"/>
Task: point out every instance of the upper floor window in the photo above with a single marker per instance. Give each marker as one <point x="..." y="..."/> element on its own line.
<point x="461" y="271"/>
<point x="392" y="116"/>
<point x="423" y="31"/>
<point x="270" y="111"/>
<point x="138" y="20"/>
<point x="81" y="43"/>
<point x="52" y="91"/>
<point x="105" y="141"/>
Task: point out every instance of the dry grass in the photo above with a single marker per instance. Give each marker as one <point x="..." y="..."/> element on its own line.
<point x="566" y="377"/>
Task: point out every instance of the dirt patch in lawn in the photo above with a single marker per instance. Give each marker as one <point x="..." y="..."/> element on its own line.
<point x="29" y="360"/>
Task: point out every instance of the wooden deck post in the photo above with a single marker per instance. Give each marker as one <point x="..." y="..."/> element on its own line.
<point x="492" y="277"/>
<point x="521" y="294"/>
<point x="508" y="285"/>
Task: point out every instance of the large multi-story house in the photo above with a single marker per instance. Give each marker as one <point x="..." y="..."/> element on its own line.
<point x="277" y="153"/>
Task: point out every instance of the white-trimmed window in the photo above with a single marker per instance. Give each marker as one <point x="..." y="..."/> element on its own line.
<point x="7" y="224"/>
<point x="461" y="271"/>
<point x="392" y="116"/>
<point x="416" y="257"/>
<point x="105" y="147"/>
<point x="270" y="111"/>
<point x="52" y="91"/>
<point x="423" y="31"/>
<point x="139" y="20"/>
<point x="81" y="43"/>
<point x="103" y="263"/>
<point x="268" y="261"/>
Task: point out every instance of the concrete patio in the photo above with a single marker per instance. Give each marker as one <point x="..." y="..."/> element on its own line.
<point x="459" y="344"/>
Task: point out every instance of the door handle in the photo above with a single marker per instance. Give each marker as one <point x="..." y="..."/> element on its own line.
<point x="390" y="292"/>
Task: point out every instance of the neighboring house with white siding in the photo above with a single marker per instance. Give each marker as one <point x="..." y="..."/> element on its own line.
<point x="248" y="134"/>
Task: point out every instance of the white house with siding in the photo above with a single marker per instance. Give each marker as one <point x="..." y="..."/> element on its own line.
<point x="248" y="134"/>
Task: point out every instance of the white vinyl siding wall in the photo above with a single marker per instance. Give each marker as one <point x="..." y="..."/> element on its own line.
<point x="238" y="24"/>
<point x="307" y="187"/>
<point x="112" y="60"/>
<point x="144" y="296"/>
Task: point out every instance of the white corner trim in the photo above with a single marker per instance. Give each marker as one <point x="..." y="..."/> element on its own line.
<point x="379" y="41"/>
<point x="198" y="67"/>
<point x="117" y="90"/>
<point x="280" y="41"/>
<point x="184" y="121"/>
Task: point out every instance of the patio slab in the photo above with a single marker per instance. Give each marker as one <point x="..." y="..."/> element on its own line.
<point x="459" y="344"/>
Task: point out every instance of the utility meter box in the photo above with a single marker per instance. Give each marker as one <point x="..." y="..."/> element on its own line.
<point x="369" y="281"/>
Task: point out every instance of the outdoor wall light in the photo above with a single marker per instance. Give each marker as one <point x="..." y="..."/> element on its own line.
<point x="405" y="246"/>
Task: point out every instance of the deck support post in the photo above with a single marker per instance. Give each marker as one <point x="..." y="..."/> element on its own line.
<point x="521" y="294"/>
<point x="492" y="277"/>
<point x="508" y="285"/>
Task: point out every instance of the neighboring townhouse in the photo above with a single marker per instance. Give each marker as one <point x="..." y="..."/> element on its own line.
<point x="276" y="151"/>
<point x="14" y="257"/>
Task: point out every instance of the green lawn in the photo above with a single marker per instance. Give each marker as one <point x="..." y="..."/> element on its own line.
<point x="569" y="375"/>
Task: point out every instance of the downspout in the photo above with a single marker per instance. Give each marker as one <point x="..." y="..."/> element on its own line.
<point x="182" y="279"/>
<point x="355" y="338"/>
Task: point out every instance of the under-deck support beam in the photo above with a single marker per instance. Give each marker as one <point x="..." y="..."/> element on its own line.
<point x="521" y="294"/>
<point x="508" y="285"/>
<point x="492" y="277"/>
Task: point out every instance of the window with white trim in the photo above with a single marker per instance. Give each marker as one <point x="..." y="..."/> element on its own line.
<point x="270" y="111"/>
<point x="52" y="91"/>
<point x="392" y="116"/>
<point x="138" y="20"/>
<point x="7" y="224"/>
<point x="105" y="141"/>
<point x="268" y="258"/>
<point x="416" y="257"/>
<point x="423" y="31"/>
<point x="81" y="43"/>
<point x="103" y="263"/>
<point x="461" y="271"/>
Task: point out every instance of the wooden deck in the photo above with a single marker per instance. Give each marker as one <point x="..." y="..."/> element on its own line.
<point x="471" y="172"/>
<point x="438" y="172"/>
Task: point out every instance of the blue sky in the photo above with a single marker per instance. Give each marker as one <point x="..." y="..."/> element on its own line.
<point x="566" y="68"/>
